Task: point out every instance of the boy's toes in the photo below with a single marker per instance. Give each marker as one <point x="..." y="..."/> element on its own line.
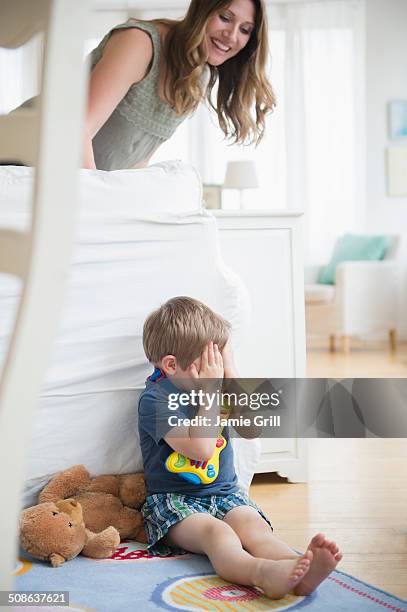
<point x="318" y="540"/>
<point x="302" y="566"/>
<point x="298" y="575"/>
<point x="299" y="571"/>
<point x="333" y="548"/>
<point x="338" y="557"/>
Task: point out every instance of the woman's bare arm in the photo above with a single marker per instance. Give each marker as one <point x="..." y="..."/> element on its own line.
<point x="125" y="60"/>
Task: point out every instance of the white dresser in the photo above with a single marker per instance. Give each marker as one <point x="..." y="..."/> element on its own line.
<point x="265" y="249"/>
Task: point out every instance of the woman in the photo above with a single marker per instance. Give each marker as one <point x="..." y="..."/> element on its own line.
<point x="148" y="76"/>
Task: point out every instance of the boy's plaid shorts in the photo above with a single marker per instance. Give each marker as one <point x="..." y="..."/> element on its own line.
<point x="163" y="510"/>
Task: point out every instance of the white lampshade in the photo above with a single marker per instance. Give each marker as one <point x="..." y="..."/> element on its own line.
<point x="241" y="175"/>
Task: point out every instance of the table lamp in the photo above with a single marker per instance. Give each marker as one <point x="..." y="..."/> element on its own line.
<point x="241" y="175"/>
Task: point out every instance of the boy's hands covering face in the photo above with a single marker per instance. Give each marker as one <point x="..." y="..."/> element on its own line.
<point x="228" y="361"/>
<point x="211" y="365"/>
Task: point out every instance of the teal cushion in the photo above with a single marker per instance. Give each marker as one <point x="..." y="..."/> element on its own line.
<point x="354" y="248"/>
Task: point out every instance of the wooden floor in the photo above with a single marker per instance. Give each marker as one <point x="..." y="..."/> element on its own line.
<point x="365" y="360"/>
<point x="357" y="489"/>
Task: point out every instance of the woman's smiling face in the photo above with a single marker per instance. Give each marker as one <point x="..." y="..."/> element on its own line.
<point x="229" y="30"/>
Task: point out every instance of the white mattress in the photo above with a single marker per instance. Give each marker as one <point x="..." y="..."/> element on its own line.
<point x="142" y="237"/>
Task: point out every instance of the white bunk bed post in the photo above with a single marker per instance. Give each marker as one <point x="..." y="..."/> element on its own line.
<point x="48" y="137"/>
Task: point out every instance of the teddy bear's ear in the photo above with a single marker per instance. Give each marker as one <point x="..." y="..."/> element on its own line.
<point x="56" y="560"/>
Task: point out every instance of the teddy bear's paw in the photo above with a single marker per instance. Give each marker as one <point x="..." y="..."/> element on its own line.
<point x="56" y="560"/>
<point x="111" y="537"/>
<point x="101" y="545"/>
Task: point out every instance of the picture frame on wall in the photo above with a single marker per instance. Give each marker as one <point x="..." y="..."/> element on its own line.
<point x="398" y="119"/>
<point x="397" y="171"/>
<point x="212" y="196"/>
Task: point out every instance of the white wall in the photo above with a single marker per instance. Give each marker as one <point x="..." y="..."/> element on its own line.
<point x="102" y="21"/>
<point x="386" y="80"/>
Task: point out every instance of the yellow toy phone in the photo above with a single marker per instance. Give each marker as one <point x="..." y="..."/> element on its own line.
<point x="193" y="471"/>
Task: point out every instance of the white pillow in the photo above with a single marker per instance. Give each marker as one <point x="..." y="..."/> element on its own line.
<point x="172" y="187"/>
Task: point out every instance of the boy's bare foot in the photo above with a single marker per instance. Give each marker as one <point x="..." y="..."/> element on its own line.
<point x="277" y="578"/>
<point x="326" y="557"/>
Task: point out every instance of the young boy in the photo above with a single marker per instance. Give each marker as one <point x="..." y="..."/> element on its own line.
<point x="188" y="345"/>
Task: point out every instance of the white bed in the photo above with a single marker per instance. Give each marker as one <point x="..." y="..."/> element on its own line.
<point x="141" y="238"/>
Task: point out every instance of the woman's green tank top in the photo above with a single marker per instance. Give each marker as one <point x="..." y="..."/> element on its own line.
<point x="141" y="121"/>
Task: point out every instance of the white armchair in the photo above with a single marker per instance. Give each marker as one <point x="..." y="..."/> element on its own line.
<point x="363" y="300"/>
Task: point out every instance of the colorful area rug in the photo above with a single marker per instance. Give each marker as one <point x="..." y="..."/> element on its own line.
<point x="134" y="580"/>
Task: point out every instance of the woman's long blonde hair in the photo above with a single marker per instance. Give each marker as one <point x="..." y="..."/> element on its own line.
<point x="242" y="84"/>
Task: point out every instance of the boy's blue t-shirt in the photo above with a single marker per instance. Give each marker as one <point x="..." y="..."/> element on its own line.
<point x="153" y="415"/>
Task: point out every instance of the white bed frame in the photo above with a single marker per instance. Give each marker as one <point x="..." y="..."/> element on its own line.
<point x="50" y="140"/>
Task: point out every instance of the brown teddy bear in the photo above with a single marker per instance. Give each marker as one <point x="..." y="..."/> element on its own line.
<point x="56" y="532"/>
<point x="77" y="513"/>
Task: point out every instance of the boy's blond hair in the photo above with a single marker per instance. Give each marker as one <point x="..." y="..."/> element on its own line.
<point x="182" y="327"/>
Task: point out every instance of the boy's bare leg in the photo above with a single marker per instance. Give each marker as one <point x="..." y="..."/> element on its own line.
<point x="203" y="534"/>
<point x="257" y="538"/>
<point x="256" y="535"/>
